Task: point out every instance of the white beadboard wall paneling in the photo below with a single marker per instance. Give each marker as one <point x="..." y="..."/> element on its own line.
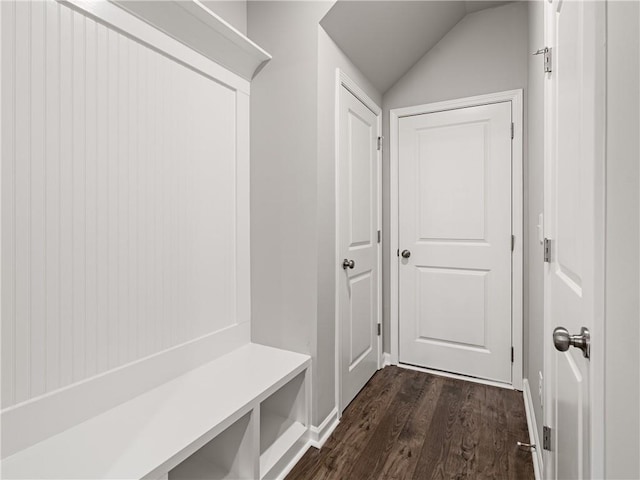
<point x="7" y="200"/>
<point x="90" y="155"/>
<point x="243" y="247"/>
<point x="125" y="201"/>
<point x="53" y="191"/>
<point x="22" y="199"/>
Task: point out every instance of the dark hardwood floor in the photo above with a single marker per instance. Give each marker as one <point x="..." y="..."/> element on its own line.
<point x="411" y="425"/>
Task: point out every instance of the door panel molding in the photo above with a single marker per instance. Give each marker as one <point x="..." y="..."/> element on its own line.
<point x="516" y="99"/>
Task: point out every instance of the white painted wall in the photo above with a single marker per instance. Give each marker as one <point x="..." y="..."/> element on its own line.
<point x="534" y="203"/>
<point x="284" y="177"/>
<point x="486" y="52"/>
<point x="622" y="360"/>
<point x="233" y="11"/>
<point x="292" y="186"/>
<point x="410" y="29"/>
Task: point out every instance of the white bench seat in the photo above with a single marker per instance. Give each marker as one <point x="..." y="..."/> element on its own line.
<point x="152" y="433"/>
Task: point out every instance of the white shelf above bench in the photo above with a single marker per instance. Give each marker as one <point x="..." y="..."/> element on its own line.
<point x="192" y="23"/>
<point x="151" y="434"/>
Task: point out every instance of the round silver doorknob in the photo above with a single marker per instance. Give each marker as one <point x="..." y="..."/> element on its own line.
<point x="348" y="264"/>
<point x="562" y="340"/>
<point x="405" y="254"/>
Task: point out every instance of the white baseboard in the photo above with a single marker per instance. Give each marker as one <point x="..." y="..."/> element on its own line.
<point x="386" y="359"/>
<point x="318" y="435"/>
<point x="534" y="439"/>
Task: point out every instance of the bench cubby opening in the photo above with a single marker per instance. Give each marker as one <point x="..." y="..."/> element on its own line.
<point x="283" y="423"/>
<point x="229" y="456"/>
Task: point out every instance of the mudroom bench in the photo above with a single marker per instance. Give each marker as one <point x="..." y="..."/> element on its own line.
<point x="244" y="415"/>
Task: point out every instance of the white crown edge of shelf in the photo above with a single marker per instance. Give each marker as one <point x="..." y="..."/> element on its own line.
<point x="198" y="27"/>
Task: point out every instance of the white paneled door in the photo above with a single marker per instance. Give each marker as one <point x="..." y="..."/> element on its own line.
<point x="574" y="176"/>
<point x="455" y="241"/>
<point x="357" y="244"/>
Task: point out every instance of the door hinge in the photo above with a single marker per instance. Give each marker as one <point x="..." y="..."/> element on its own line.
<point x="513" y="242"/>
<point x="546" y="51"/>
<point x="547" y="250"/>
<point x="379" y="143"/>
<point x="379" y="329"/>
<point x="546" y="438"/>
<point x="379" y="236"/>
<point x="513" y="128"/>
<point x="512" y="354"/>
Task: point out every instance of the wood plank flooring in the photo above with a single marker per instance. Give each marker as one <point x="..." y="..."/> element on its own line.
<point x="411" y="425"/>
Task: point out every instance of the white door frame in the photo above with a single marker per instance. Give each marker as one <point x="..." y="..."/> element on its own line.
<point x="515" y="97"/>
<point x="343" y="80"/>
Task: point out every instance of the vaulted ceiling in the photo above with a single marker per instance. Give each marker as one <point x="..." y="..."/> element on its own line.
<point x="384" y="39"/>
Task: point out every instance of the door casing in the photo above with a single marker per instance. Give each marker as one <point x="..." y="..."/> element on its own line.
<point x="516" y="99"/>
<point x="344" y="81"/>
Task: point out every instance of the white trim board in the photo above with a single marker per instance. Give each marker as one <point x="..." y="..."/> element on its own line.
<point x="320" y="434"/>
<point x="121" y="20"/>
<point x="386" y="359"/>
<point x="195" y="25"/>
<point x="536" y="453"/>
<point x="516" y="99"/>
<point x="343" y="80"/>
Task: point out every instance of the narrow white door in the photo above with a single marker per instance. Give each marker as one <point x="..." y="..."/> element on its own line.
<point x="358" y="244"/>
<point x="572" y="209"/>
<point x="455" y="241"/>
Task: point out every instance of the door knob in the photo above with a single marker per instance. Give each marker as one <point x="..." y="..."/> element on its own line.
<point x="348" y="263"/>
<point x="563" y="340"/>
<point x="405" y="254"/>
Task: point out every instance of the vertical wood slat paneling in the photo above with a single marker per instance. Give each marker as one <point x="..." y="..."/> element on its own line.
<point x="66" y="196"/>
<point x="133" y="204"/>
<point x="102" y="265"/>
<point x="142" y="254"/>
<point x="53" y="192"/>
<point x="22" y="190"/>
<point x="90" y="304"/>
<point x="112" y="198"/>
<point x="37" y="202"/>
<point x="78" y="194"/>
<point x="8" y="204"/>
<point x="161" y="217"/>
<point x="122" y="190"/>
<point x="118" y="201"/>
